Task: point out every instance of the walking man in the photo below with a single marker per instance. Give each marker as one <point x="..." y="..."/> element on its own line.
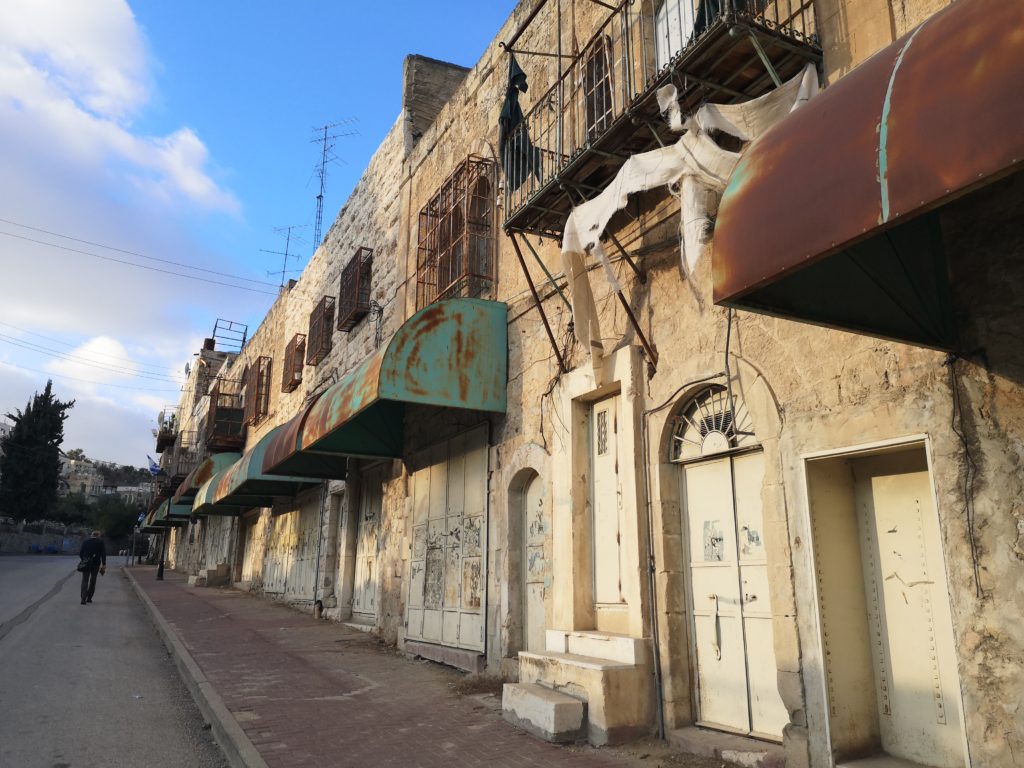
<point x="95" y="553"/>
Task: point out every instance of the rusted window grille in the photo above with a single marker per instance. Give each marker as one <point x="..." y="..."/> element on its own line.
<point x="597" y="86"/>
<point x="225" y="426"/>
<point x="291" y="372"/>
<point x="321" y="331"/>
<point x="456" y="235"/>
<point x="257" y="391"/>
<point x="354" y="295"/>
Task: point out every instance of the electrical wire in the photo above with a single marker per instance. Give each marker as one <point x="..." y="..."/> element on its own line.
<point x="86" y="381"/>
<point x="73" y="346"/>
<point x="57" y="355"/>
<point x="139" y="266"/>
<point x="135" y="253"/>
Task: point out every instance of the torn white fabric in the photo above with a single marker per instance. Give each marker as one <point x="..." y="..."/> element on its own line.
<point x="696" y="163"/>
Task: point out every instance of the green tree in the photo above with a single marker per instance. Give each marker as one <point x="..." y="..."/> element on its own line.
<point x="30" y="466"/>
<point x="114" y="516"/>
<point x="76" y="453"/>
<point x="71" y="509"/>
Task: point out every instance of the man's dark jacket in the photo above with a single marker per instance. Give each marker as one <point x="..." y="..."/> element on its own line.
<point x="94" y="551"/>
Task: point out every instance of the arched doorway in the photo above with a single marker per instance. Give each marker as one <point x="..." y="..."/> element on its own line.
<point x="731" y="643"/>
<point x="536" y="561"/>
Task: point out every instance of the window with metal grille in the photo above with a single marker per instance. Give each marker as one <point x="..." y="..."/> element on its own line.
<point x="225" y="423"/>
<point x="714" y="421"/>
<point x="456" y="235"/>
<point x="321" y="331"/>
<point x="291" y="372"/>
<point x="257" y="391"/>
<point x="597" y="87"/>
<point x="354" y="294"/>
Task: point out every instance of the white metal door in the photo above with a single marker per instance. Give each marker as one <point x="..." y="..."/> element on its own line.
<point x="733" y="646"/>
<point x="610" y="607"/>
<point x="447" y="580"/>
<point x="536" y="564"/>
<point x="303" y="539"/>
<point x="364" y="588"/>
<point x="277" y="559"/>
<point x="908" y="615"/>
<point x="249" y="553"/>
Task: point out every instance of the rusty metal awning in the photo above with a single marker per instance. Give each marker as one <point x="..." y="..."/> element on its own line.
<point x="452" y="354"/>
<point x="169" y="515"/>
<point x="832" y="216"/>
<point x="244" y="484"/>
<point x="204" y="503"/>
<point x="207" y="468"/>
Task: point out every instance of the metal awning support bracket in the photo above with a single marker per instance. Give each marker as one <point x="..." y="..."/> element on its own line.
<point x="641" y="274"/>
<point x="536" y="300"/>
<point x="547" y="272"/>
<point x="764" y="58"/>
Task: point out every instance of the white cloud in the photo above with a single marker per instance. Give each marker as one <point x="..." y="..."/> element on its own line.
<point x="72" y="77"/>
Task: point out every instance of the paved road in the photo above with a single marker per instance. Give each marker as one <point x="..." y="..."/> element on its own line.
<point x="88" y="686"/>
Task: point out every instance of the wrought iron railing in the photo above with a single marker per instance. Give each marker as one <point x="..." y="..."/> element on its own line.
<point x="641" y="45"/>
<point x="225" y="424"/>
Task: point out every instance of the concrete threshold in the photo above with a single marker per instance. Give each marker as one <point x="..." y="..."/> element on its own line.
<point x="238" y="749"/>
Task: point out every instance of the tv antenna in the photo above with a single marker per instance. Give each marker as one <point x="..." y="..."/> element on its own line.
<point x="325" y="136"/>
<point x="286" y="253"/>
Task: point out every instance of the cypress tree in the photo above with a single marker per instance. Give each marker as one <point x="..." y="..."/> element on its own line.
<point x="30" y="465"/>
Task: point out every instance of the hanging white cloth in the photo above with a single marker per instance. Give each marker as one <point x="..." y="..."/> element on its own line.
<point x="695" y="162"/>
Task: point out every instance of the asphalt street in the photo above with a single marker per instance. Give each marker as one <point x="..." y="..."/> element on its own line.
<point x="88" y="686"/>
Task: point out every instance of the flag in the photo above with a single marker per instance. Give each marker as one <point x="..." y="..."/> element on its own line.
<point x="154" y="468"/>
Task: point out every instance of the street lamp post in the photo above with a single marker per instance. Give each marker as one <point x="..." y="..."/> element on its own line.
<point x="163" y="549"/>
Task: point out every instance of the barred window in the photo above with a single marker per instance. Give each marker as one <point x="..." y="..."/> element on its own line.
<point x="257" y="391"/>
<point x="354" y="294"/>
<point x="291" y="371"/>
<point x="321" y="331"/>
<point x="225" y="423"/>
<point x="597" y="87"/>
<point x="456" y="236"/>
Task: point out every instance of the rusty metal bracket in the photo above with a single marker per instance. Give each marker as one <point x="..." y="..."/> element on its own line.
<point x="641" y="274"/>
<point x="652" y="355"/>
<point x="547" y="272"/>
<point x="764" y="58"/>
<point x="536" y="299"/>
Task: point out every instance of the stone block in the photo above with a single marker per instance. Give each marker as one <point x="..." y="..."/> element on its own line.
<point x="604" y="645"/>
<point x="741" y="750"/>
<point x="547" y="714"/>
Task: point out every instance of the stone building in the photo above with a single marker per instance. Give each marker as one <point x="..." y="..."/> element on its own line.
<point x="684" y="396"/>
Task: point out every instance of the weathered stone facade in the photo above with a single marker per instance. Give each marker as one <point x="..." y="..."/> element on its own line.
<point x="817" y="406"/>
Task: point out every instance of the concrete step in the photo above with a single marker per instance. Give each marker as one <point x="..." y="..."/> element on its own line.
<point x="619" y="696"/>
<point x="600" y="645"/>
<point x="547" y="714"/>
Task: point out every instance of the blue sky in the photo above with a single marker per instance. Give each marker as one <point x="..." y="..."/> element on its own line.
<point x="178" y="131"/>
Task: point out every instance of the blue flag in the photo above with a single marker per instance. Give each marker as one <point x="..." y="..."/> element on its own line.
<point x="154" y="468"/>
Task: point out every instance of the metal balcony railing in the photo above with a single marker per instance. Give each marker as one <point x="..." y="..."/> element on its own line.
<point x="225" y="424"/>
<point x="602" y="107"/>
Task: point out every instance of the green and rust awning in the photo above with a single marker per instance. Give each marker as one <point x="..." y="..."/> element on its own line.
<point x="244" y="483"/>
<point x="832" y="216"/>
<point x="452" y="354"/>
<point x="169" y="515"/>
<point x="204" y="504"/>
<point x="207" y="468"/>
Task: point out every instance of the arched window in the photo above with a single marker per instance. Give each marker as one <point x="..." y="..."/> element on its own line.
<point x="712" y="422"/>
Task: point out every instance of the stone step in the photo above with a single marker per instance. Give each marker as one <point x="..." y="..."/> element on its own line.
<point x="601" y="645"/>
<point x="547" y="714"/>
<point x="742" y="750"/>
<point x="619" y="697"/>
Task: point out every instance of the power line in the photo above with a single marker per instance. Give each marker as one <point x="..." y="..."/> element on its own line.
<point x="52" y="375"/>
<point x="68" y="344"/>
<point x="82" y="360"/>
<point x="139" y="266"/>
<point x="134" y="253"/>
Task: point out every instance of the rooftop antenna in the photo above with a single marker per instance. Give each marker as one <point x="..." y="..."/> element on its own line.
<point x="286" y="253"/>
<point x="325" y="138"/>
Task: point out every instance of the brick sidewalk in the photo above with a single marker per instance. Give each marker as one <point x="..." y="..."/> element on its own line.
<point x="315" y="693"/>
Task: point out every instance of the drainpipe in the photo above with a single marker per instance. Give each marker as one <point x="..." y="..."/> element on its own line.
<point x="651" y="564"/>
<point x="318" y="606"/>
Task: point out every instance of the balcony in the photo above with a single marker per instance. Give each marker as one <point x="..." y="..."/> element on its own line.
<point x="178" y="460"/>
<point x="603" y="107"/>
<point x="167" y="429"/>
<point x="225" y="420"/>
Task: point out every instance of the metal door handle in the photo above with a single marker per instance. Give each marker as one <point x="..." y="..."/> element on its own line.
<point x="716" y="646"/>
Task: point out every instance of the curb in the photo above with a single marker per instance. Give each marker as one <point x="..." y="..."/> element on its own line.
<point x="238" y="749"/>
